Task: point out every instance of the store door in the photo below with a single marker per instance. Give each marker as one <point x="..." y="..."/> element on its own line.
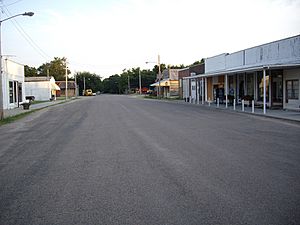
<point x="276" y="90"/>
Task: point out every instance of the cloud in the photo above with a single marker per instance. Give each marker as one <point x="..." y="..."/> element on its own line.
<point x="125" y="33"/>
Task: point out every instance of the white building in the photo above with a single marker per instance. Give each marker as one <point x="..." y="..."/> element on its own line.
<point x="42" y="88"/>
<point x="269" y="74"/>
<point x="12" y="84"/>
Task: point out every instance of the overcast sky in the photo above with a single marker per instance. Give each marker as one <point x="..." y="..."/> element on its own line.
<point x="107" y="36"/>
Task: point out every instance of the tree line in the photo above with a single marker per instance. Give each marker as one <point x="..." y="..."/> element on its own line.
<point x="127" y="81"/>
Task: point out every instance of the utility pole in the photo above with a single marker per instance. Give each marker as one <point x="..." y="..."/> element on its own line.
<point x="159" y="76"/>
<point x="1" y="72"/>
<point x="128" y="83"/>
<point x="140" y="81"/>
<point x="66" y="92"/>
<point x="84" y="85"/>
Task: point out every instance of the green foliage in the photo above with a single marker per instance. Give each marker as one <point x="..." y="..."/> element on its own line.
<point x="57" y="69"/>
<point x="198" y="62"/>
<point x="115" y="84"/>
<point x="30" y="71"/>
<point x="181" y="66"/>
<point x="92" y="81"/>
<point x="118" y="84"/>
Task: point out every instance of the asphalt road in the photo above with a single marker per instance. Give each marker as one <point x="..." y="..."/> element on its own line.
<point x="122" y="160"/>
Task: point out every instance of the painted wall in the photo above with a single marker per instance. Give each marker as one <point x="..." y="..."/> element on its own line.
<point x="215" y="63"/>
<point x="12" y="71"/>
<point x="235" y="60"/>
<point x="41" y="90"/>
<point x="285" y="51"/>
<point x="279" y="52"/>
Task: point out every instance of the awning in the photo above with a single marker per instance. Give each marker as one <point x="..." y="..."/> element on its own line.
<point x="55" y="87"/>
<point x="162" y="83"/>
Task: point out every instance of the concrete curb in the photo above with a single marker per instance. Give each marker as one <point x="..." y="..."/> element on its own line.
<point x="270" y="116"/>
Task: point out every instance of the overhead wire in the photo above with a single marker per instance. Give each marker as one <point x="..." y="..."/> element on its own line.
<point x="29" y="40"/>
<point x="13" y="3"/>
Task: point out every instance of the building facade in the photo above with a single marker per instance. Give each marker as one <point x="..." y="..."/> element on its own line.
<point x="71" y="88"/>
<point x="268" y="74"/>
<point x="169" y="84"/>
<point x="191" y="89"/>
<point x="12" y="84"/>
<point x="42" y="88"/>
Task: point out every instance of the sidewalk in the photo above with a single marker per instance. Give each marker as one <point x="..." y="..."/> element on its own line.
<point x="20" y="110"/>
<point x="271" y="113"/>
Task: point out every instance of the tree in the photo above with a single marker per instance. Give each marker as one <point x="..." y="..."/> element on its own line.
<point x="198" y="62"/>
<point x="92" y="81"/>
<point x="113" y="85"/>
<point x="57" y="69"/>
<point x="30" y="71"/>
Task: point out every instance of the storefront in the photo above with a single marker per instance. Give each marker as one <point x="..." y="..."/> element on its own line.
<point x="12" y="84"/>
<point x="268" y="75"/>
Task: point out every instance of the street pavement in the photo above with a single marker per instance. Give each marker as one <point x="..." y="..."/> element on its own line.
<point x="121" y="160"/>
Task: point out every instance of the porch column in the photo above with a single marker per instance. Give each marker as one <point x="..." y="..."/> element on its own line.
<point x="270" y="89"/>
<point x="202" y="90"/>
<point x="226" y="90"/>
<point x="265" y="97"/>
<point x="206" y="89"/>
<point x="186" y="89"/>
<point x="198" y="91"/>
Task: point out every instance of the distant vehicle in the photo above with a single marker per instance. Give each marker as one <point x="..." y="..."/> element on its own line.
<point x="88" y="92"/>
<point x="94" y="94"/>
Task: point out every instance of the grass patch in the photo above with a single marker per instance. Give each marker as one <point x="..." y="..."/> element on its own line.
<point x="37" y="102"/>
<point x="61" y="98"/>
<point x="16" y="117"/>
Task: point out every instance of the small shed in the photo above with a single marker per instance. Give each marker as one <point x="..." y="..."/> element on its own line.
<point x="42" y="88"/>
<point x="71" y="88"/>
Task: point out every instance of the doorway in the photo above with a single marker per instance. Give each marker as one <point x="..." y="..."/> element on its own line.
<point x="276" y="89"/>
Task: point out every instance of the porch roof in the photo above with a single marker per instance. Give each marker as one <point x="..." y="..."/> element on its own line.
<point x="245" y="69"/>
<point x="55" y="87"/>
<point x="163" y="83"/>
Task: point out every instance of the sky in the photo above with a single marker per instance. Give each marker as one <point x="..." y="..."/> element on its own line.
<point x="106" y="36"/>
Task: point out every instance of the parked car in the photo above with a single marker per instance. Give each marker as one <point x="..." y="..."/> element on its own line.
<point x="88" y="92"/>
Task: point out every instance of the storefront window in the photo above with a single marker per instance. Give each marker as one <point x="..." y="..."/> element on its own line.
<point x="292" y="89"/>
<point x="250" y="84"/>
<point x="231" y="85"/>
<point x="277" y="86"/>
<point x="15" y="91"/>
<point x="11" y="92"/>
<point x="20" y="92"/>
<point x="241" y="86"/>
<point x="260" y="84"/>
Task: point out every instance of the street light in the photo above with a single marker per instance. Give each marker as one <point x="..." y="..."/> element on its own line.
<point x="159" y="74"/>
<point x="1" y="89"/>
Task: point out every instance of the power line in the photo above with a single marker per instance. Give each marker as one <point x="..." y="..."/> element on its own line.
<point x="12" y="3"/>
<point x="29" y="40"/>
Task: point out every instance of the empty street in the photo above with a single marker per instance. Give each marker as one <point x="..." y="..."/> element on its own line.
<point x="113" y="159"/>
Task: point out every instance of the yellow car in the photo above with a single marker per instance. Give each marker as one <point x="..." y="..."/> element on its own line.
<point x="88" y="92"/>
